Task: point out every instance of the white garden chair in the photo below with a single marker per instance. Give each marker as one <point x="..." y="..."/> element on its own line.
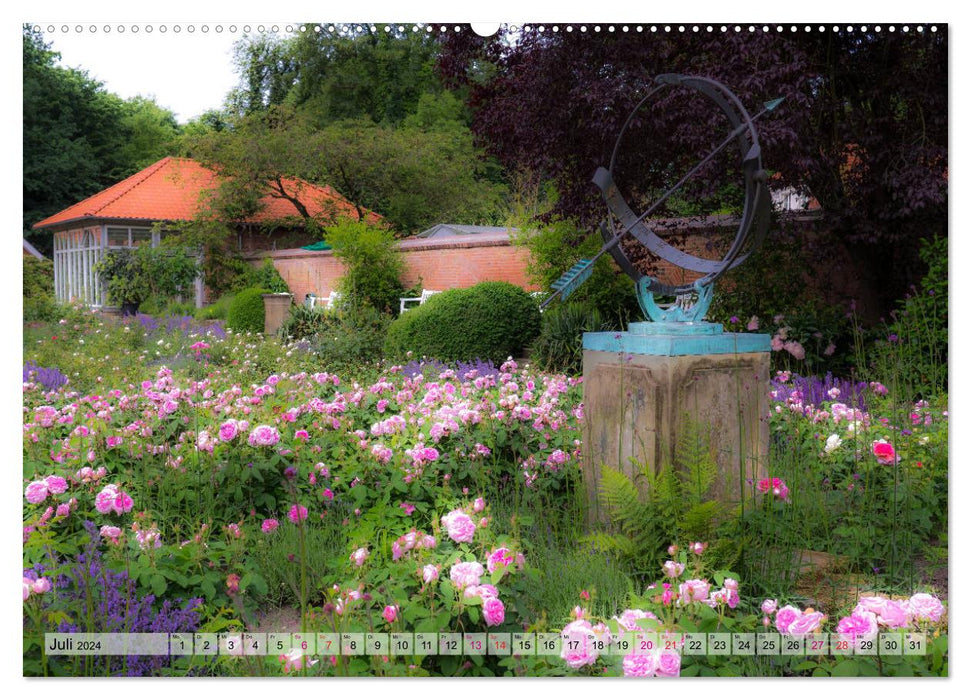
<point x="425" y="295"/>
<point x="333" y="299"/>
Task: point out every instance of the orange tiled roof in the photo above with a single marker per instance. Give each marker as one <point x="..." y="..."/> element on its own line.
<point x="173" y="189"/>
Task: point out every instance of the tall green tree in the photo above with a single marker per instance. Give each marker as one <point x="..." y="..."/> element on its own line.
<point x="380" y="73"/>
<point x="414" y="176"/>
<point x="267" y="72"/>
<point x="151" y="132"/>
<point x="78" y="137"/>
<point x="863" y="129"/>
<point x="74" y="135"/>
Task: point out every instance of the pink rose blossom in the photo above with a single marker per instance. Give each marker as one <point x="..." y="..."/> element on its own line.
<point x="113" y="499"/>
<point x="769" y="606"/>
<point x="270" y="524"/>
<point x="795" y="348"/>
<point x="484" y="591"/>
<point x="629" y="618"/>
<point x="41" y="585"/>
<point x="493" y="611"/>
<point x="669" y="663"/>
<point x="264" y="436"/>
<point x="429" y="573"/>
<point x="479" y="505"/>
<point x="500" y="557"/>
<point x="806" y="623"/>
<point x="640" y="665"/>
<point x="884" y="452"/>
<point x="672" y="569"/>
<point x="466" y="574"/>
<point x="297" y="513"/>
<point x="359" y="556"/>
<point x="576" y="649"/>
<point x="111" y="533"/>
<point x="407" y="508"/>
<point x="895" y="614"/>
<point x="390" y="613"/>
<point x="785" y="617"/>
<point x="924" y="606"/>
<point x="56" y="484"/>
<point x="872" y="604"/>
<point x="694" y="590"/>
<point x="459" y="526"/>
<point x="36" y="492"/>
<point x="228" y="430"/>
<point x="857" y="626"/>
<point x="294" y="661"/>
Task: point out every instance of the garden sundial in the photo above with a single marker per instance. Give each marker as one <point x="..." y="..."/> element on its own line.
<point x="684" y="316"/>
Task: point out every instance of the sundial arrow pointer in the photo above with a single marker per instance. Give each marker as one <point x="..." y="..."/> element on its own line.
<point x="581" y="271"/>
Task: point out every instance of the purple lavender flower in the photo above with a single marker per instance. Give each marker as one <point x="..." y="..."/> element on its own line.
<point x="815" y="391"/>
<point x="50" y="378"/>
<point x="117" y="607"/>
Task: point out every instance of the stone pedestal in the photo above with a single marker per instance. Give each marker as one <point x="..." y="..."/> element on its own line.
<point x="277" y="308"/>
<point x="640" y="385"/>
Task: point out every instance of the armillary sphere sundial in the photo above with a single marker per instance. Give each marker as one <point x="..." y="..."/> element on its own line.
<point x="622" y="221"/>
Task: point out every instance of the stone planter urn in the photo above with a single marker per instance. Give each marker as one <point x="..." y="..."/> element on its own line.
<point x="277" y="308"/>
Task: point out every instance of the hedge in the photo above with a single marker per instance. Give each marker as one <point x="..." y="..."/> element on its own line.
<point x="490" y="321"/>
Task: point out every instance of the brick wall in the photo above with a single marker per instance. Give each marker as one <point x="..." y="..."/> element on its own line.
<point x="462" y="261"/>
<point x="440" y="264"/>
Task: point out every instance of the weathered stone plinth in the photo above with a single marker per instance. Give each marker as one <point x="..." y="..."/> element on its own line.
<point x="639" y="385"/>
<point x="277" y="308"/>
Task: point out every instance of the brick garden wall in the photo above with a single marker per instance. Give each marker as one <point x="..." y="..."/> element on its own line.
<point x="462" y="261"/>
<point x="440" y="264"/>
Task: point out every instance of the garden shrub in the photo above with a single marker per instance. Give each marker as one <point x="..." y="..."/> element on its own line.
<point x="352" y="339"/>
<point x="246" y="312"/>
<point x="38" y="277"/>
<point x="913" y="347"/>
<point x="39" y="302"/>
<point x="559" y="347"/>
<point x="218" y="310"/>
<point x="266" y="276"/>
<point x="490" y="321"/>
<point x="372" y="264"/>
<point x="302" y="322"/>
<point x="556" y="246"/>
<point x="133" y="276"/>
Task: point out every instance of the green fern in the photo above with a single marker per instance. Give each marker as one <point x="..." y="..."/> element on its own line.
<point x="675" y="503"/>
<point x="697" y="469"/>
<point x="610" y="543"/>
<point x="621" y="499"/>
<point x="698" y="522"/>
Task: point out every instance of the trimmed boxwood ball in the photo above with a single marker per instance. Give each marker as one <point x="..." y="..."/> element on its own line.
<point x="246" y="312"/>
<point x="490" y="321"/>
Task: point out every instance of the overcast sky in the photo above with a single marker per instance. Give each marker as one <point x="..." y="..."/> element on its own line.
<point x="188" y="73"/>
